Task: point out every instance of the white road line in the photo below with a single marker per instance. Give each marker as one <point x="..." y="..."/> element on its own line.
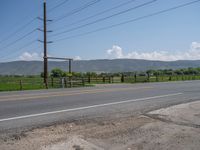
<point x="88" y="107"/>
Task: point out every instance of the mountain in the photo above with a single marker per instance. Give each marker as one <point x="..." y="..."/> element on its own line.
<point x="101" y="65"/>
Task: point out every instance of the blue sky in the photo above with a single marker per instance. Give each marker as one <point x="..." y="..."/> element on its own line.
<point x="168" y="36"/>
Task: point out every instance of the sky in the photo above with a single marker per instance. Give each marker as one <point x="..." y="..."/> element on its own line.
<point x="173" y="35"/>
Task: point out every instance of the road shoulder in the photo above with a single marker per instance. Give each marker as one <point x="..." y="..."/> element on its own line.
<point x="175" y="127"/>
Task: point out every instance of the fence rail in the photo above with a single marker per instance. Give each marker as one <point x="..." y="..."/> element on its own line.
<point x="26" y="83"/>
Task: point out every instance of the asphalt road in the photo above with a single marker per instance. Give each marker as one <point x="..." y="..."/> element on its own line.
<point x="29" y="109"/>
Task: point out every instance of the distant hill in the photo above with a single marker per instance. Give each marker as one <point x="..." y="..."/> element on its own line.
<point x="101" y="65"/>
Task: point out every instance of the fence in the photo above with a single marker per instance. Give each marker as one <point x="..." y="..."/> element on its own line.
<point x="26" y="83"/>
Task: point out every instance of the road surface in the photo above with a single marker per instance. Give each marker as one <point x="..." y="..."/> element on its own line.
<point x="29" y="109"/>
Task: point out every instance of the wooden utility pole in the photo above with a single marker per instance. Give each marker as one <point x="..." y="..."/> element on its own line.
<point x="45" y="47"/>
<point x="70" y="66"/>
<point x="70" y="72"/>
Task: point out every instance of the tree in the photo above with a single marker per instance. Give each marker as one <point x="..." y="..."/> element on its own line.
<point x="150" y="72"/>
<point x="168" y="71"/>
<point x="77" y="74"/>
<point x="56" y="73"/>
<point x="42" y="74"/>
<point x="91" y="74"/>
<point x="178" y="72"/>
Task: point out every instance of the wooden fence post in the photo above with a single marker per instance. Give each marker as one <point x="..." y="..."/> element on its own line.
<point x="20" y="85"/>
<point x="122" y="78"/>
<point x="89" y="79"/>
<point x="65" y="81"/>
<point x="156" y="78"/>
<point x="70" y="82"/>
<point x="148" y="77"/>
<point x="109" y="79"/>
<point x="104" y="80"/>
<point x="83" y="81"/>
<point x="135" y="78"/>
<point x="170" y="78"/>
<point x="52" y="82"/>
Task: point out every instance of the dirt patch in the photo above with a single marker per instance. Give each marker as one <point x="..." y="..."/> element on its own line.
<point x="130" y="133"/>
<point x="96" y="134"/>
<point x="73" y="143"/>
<point x="184" y="114"/>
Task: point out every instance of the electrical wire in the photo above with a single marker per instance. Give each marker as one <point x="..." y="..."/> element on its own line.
<point x="130" y="21"/>
<point x="20" y="49"/>
<point x="18" y="30"/>
<point x="55" y="7"/>
<point x="17" y="40"/>
<point x="98" y="14"/>
<point x="105" y="18"/>
<point x="91" y="3"/>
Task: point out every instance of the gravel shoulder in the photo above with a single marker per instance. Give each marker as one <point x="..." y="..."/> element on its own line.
<point x="176" y="127"/>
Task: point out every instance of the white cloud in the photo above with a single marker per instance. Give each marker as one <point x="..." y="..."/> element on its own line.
<point x="115" y="52"/>
<point x="26" y="56"/>
<point x="30" y="56"/>
<point x="193" y="53"/>
<point x="195" y="45"/>
<point x="77" y="58"/>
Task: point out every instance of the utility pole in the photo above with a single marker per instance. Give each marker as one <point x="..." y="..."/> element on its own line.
<point x="70" y="72"/>
<point x="45" y="42"/>
<point x="45" y="47"/>
<point x="70" y="66"/>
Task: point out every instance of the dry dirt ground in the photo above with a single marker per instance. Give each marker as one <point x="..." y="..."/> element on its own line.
<point x="176" y="127"/>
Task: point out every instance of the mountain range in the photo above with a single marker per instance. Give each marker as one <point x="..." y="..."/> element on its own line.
<point x="101" y="65"/>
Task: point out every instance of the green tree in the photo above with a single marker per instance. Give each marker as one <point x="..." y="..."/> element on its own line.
<point x="178" y="72"/>
<point x="76" y="74"/>
<point x="150" y="72"/>
<point x="56" y="73"/>
<point x="42" y="74"/>
<point x="91" y="74"/>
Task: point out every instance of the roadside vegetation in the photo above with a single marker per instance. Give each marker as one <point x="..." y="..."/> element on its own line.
<point x="61" y="79"/>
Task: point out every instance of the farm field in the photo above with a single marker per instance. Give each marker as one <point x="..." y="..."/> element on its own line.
<point x="8" y="83"/>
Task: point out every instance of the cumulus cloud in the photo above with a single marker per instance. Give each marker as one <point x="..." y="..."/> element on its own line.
<point x="30" y="56"/>
<point x="77" y="58"/>
<point x="115" y="52"/>
<point x="26" y="56"/>
<point x="195" y="45"/>
<point x="193" y="53"/>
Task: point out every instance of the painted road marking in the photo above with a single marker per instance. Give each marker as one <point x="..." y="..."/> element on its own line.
<point x="88" y="107"/>
<point x="60" y="94"/>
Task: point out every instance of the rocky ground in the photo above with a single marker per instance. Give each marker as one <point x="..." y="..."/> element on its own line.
<point x="176" y="127"/>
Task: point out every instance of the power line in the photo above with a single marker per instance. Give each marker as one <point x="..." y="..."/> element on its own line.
<point x="60" y="4"/>
<point x="105" y="18"/>
<point x="98" y="14"/>
<point x="19" y="39"/>
<point x="7" y="58"/>
<point x="91" y="3"/>
<point x="130" y="21"/>
<point x="18" y="30"/>
<point x="20" y="49"/>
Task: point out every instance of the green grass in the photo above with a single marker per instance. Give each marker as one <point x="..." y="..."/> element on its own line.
<point x="13" y="83"/>
<point x="30" y="83"/>
<point x="33" y="83"/>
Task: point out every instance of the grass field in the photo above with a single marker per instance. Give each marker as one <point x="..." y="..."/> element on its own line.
<point x="30" y="83"/>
